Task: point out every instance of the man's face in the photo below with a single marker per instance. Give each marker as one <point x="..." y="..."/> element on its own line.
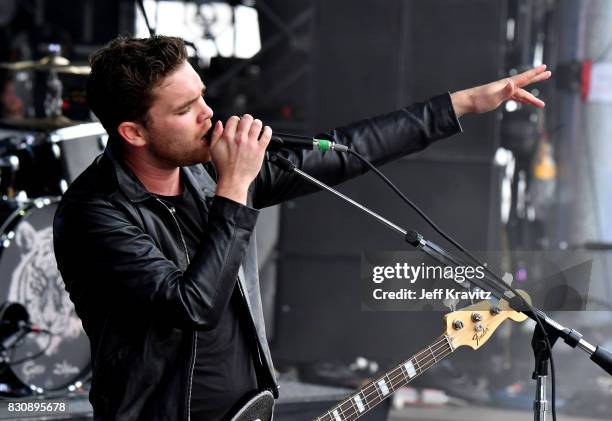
<point x="178" y="120"/>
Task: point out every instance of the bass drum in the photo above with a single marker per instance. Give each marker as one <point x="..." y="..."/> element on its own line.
<point x="29" y="276"/>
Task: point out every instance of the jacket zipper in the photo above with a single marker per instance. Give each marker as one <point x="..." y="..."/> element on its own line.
<point x="258" y="346"/>
<point x="172" y="212"/>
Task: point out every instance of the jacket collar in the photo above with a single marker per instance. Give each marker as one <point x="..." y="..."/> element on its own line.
<point x="194" y="177"/>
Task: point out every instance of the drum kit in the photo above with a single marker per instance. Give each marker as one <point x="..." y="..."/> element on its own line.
<point x="39" y="157"/>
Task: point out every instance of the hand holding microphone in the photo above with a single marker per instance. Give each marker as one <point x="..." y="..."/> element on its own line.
<point x="290" y="141"/>
<point x="238" y="150"/>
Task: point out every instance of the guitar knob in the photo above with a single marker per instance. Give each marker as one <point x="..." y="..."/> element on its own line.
<point x="476" y="317"/>
<point x="457" y="325"/>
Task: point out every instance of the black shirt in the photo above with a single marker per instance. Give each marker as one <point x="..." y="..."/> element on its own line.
<point x="223" y="371"/>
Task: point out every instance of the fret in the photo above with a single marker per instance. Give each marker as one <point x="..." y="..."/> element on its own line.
<point x="419" y="362"/>
<point x="425" y="361"/>
<point x="450" y="345"/>
<point x="359" y="403"/>
<point x="375" y="392"/>
<point x="394" y="378"/>
<point x="325" y="417"/>
<point x="346" y="407"/>
<point x="382" y="385"/>
<point x="390" y="381"/>
<point x="336" y="415"/>
<point x="418" y="365"/>
<point x="342" y="405"/>
<point x="432" y="354"/>
<point x="404" y="373"/>
<point x="365" y="399"/>
<point x="446" y="349"/>
<point x="410" y="369"/>
<point x="354" y="408"/>
<point x="332" y="416"/>
<point x="369" y="396"/>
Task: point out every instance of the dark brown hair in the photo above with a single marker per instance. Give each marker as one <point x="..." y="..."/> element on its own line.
<point x="124" y="73"/>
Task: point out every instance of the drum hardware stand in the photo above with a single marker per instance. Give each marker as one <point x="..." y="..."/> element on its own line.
<point x="13" y="315"/>
<point x="12" y="163"/>
<point x="554" y="330"/>
<point x="53" y="98"/>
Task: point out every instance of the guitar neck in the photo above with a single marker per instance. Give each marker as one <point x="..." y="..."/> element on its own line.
<point x="375" y="392"/>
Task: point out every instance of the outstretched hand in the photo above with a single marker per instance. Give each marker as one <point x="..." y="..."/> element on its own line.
<point x="484" y="98"/>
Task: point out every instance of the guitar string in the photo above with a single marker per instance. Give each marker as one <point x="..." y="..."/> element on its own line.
<point x="373" y="383"/>
<point x="417" y="357"/>
<point x="426" y="362"/>
<point x="367" y="396"/>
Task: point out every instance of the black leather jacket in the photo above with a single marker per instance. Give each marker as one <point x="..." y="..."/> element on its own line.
<point x="123" y="260"/>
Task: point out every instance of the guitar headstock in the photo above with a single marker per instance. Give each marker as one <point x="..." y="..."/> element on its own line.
<point x="472" y="326"/>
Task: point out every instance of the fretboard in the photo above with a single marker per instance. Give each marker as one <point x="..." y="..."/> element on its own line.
<point x="375" y="392"/>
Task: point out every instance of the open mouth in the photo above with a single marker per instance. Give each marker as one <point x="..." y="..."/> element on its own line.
<point x="207" y="137"/>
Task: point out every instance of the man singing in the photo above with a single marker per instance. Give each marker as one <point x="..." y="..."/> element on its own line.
<point x="155" y="239"/>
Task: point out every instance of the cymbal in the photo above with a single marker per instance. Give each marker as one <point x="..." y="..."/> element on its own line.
<point x="74" y="70"/>
<point x="54" y="61"/>
<point x="38" y="124"/>
<point x="57" y="63"/>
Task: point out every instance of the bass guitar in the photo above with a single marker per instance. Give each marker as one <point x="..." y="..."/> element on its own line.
<point x="471" y="326"/>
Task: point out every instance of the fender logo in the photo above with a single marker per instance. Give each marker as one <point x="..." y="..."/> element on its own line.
<point x="480" y="333"/>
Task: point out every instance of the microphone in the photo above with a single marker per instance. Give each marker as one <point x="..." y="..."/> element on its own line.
<point x="295" y="142"/>
<point x="23" y="328"/>
<point x="15" y="324"/>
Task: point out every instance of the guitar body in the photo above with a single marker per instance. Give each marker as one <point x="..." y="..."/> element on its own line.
<point x="257" y="408"/>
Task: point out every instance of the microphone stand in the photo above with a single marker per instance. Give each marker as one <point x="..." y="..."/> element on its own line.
<point x="599" y="355"/>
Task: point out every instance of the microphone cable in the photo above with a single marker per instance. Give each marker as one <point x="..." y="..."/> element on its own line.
<point x="463" y="250"/>
<point x="35" y="355"/>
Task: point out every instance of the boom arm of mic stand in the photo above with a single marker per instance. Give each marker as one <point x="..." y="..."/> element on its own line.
<point x="573" y="338"/>
<point x="289" y="166"/>
<point x="412" y="237"/>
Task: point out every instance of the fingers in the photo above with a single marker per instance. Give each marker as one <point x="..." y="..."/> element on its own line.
<point x="231" y="127"/>
<point x="243" y="129"/>
<point x="542" y="76"/>
<point x="246" y="128"/>
<point x="217" y="131"/>
<point x="264" y="140"/>
<point x="255" y="129"/>
<point x="526" y="98"/>
<point x="524" y="78"/>
<point x="509" y="90"/>
<point x="536" y="74"/>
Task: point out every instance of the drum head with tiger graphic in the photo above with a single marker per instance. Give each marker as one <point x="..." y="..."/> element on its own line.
<point x="29" y="276"/>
